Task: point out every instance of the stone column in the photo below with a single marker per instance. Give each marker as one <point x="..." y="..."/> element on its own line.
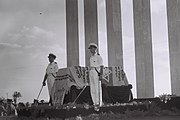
<point x="143" y="48"/>
<point x="173" y="15"/>
<point x="72" y="33"/>
<point x="91" y="26"/>
<point x="114" y="33"/>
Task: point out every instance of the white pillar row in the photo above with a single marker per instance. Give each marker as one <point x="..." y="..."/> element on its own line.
<point x="142" y="34"/>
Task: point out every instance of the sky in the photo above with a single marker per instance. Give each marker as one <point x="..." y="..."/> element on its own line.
<point x="31" y="29"/>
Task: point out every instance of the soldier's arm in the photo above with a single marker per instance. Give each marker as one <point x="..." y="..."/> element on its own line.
<point x="44" y="81"/>
<point x="56" y="67"/>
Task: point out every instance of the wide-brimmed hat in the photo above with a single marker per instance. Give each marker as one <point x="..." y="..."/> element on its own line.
<point x="52" y="55"/>
<point x="92" y="45"/>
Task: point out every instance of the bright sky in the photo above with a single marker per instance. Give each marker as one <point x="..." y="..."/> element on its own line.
<point x="31" y="29"/>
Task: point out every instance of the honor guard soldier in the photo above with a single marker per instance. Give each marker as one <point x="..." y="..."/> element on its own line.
<point x="51" y="72"/>
<point x="95" y="86"/>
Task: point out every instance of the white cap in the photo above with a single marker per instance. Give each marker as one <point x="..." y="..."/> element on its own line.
<point x="92" y="44"/>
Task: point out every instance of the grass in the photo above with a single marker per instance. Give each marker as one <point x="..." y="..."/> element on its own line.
<point x="152" y="114"/>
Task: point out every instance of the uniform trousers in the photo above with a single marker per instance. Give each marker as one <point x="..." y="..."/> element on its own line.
<point x="95" y="87"/>
<point x="50" y="83"/>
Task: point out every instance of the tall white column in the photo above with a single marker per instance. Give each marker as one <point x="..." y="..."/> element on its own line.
<point x="91" y="25"/>
<point x="114" y="33"/>
<point x="173" y="15"/>
<point x="72" y="33"/>
<point x="143" y="49"/>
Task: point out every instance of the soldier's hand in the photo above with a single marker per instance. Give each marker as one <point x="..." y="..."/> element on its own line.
<point x="99" y="74"/>
<point x="44" y="83"/>
<point x="86" y="84"/>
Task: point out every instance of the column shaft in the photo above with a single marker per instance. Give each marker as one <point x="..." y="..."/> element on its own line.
<point x="72" y="33"/>
<point x="114" y="33"/>
<point x="143" y="48"/>
<point x="173" y="15"/>
<point x="91" y="25"/>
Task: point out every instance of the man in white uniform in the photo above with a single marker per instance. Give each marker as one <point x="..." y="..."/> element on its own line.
<point x="51" y="72"/>
<point x="95" y="86"/>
